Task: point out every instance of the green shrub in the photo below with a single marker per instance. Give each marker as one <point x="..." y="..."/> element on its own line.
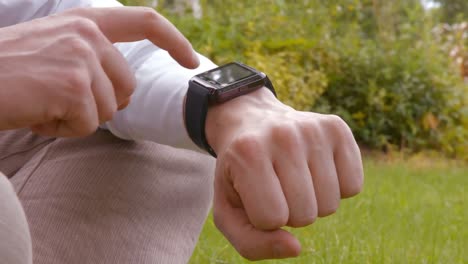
<point x="375" y="63"/>
<point x="396" y="97"/>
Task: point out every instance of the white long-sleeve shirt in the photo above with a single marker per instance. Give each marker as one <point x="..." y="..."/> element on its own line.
<point x="155" y="112"/>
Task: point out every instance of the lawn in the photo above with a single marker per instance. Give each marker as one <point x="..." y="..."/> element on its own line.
<point x="407" y="213"/>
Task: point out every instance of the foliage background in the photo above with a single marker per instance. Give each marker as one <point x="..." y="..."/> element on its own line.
<point x="391" y="69"/>
<point x="381" y="65"/>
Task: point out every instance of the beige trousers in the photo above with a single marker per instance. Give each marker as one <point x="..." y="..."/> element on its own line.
<point x="99" y="199"/>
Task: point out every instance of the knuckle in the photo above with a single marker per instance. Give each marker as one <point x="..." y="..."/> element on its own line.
<point x="108" y="113"/>
<point x="78" y="90"/>
<point x="281" y="129"/>
<point x="279" y="220"/>
<point x="130" y="88"/>
<point x="310" y="129"/>
<point x="285" y="134"/>
<point x="89" y="126"/>
<point x="318" y="139"/>
<point x="327" y="210"/>
<point x="272" y="222"/>
<point x="337" y="124"/>
<point x="126" y="88"/>
<point x="353" y="188"/>
<point x="150" y="15"/>
<point x="84" y="125"/>
<point x="156" y="20"/>
<point x="302" y="221"/>
<point x="55" y="112"/>
<point x="86" y="130"/>
<point x="248" y="145"/>
<point x="79" y="48"/>
<point x="86" y="28"/>
<point x="152" y="18"/>
<point x="335" y="120"/>
<point x="77" y="81"/>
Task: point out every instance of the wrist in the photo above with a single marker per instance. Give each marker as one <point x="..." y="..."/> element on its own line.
<point x="221" y="100"/>
<point x="226" y="120"/>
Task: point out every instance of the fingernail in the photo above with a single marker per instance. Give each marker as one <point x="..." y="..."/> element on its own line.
<point x="195" y="58"/>
<point x="124" y="104"/>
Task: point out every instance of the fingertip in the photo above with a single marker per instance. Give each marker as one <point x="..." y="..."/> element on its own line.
<point x="352" y="184"/>
<point x="287" y="247"/>
<point x="195" y="60"/>
<point x="124" y="104"/>
<point x="190" y="62"/>
<point x="297" y="248"/>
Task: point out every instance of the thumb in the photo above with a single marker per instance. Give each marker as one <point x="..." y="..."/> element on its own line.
<point x="125" y="103"/>
<point x="251" y="243"/>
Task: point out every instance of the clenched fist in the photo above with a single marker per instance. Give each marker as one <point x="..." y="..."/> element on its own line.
<point x="277" y="167"/>
<point x="61" y="75"/>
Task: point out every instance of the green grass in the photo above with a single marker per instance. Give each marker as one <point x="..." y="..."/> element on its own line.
<point x="406" y="214"/>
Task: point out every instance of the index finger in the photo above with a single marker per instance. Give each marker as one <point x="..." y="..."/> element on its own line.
<point x="125" y="24"/>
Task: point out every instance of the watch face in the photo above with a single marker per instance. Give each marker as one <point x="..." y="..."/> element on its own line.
<point x="227" y="74"/>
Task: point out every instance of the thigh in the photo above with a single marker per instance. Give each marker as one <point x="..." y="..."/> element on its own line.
<point x="15" y="241"/>
<point x="17" y="147"/>
<point x="104" y="200"/>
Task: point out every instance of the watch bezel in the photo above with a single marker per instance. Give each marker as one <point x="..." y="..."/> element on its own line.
<point x="219" y="94"/>
<point x="201" y="94"/>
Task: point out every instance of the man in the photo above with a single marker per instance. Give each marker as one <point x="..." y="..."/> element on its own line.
<point x="100" y="199"/>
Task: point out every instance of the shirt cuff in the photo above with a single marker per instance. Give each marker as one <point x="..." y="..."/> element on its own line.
<point x="155" y="112"/>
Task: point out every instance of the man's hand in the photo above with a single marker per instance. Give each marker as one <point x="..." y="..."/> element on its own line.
<point x="277" y="167"/>
<point x="61" y="75"/>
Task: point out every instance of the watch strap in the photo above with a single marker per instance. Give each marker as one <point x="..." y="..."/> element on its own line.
<point x="269" y="85"/>
<point x="196" y="109"/>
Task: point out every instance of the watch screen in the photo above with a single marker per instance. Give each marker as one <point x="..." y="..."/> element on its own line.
<point x="228" y="74"/>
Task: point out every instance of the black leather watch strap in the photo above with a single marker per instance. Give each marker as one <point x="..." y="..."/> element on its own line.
<point x="196" y="108"/>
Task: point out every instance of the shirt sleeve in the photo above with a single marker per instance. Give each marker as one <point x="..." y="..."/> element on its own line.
<point x="155" y="112"/>
<point x="17" y="11"/>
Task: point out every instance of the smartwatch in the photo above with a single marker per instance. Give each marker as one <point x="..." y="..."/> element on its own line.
<point x="217" y="86"/>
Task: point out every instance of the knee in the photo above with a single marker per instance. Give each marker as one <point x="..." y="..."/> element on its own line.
<point x="15" y="245"/>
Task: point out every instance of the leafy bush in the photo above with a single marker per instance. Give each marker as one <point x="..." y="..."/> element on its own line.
<point x="399" y="96"/>
<point x="375" y="63"/>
